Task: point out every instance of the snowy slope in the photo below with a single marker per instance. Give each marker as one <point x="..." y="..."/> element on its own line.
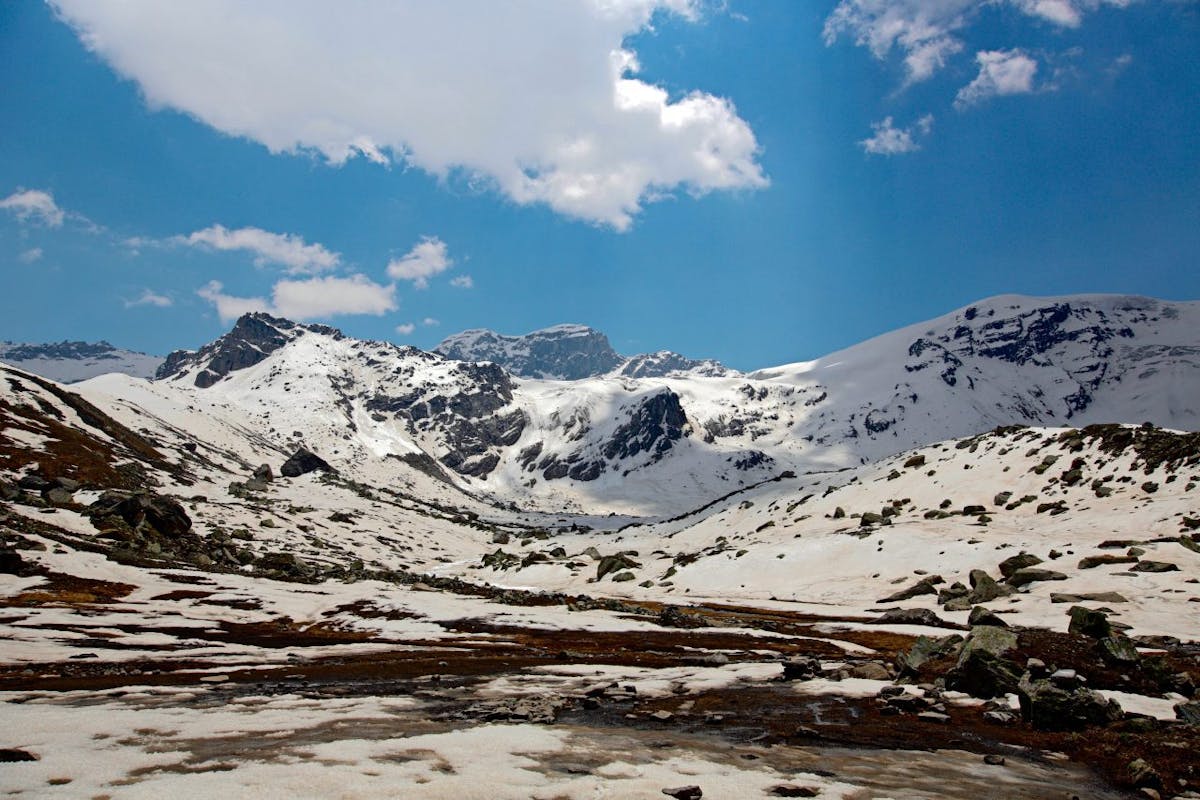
<point x="69" y="362"/>
<point x="660" y="445"/>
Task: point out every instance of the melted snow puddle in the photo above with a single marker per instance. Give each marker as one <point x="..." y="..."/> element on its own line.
<point x="189" y="743"/>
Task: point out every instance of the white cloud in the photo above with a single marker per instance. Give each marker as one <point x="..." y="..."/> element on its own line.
<point x="34" y="205"/>
<point x="1001" y="72"/>
<point x="538" y="100"/>
<point x="430" y="322"/>
<point x="312" y="298"/>
<point x="462" y="282"/>
<point x="406" y="329"/>
<point x="429" y="257"/>
<point x="31" y="255"/>
<point x="926" y="31"/>
<point x="285" y="249"/>
<point x="150" y="298"/>
<point x="889" y="140"/>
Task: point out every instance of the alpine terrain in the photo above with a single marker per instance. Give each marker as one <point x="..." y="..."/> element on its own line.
<point x="958" y="555"/>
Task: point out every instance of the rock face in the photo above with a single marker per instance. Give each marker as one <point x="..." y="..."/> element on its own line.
<point x="253" y="338"/>
<point x="141" y="511"/>
<point x="303" y="462"/>
<point x="1053" y="708"/>
<point x="568" y="352"/>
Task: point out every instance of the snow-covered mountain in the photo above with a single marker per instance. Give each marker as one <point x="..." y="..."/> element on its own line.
<point x="569" y="352"/>
<point x="663" y="444"/>
<point x="69" y="362"/>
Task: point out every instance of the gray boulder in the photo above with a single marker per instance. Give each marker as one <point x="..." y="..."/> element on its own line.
<point x="302" y="462"/>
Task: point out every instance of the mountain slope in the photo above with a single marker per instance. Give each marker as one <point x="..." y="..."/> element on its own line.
<point x="70" y="362"/>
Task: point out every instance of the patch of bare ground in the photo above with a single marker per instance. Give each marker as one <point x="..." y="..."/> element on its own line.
<point x="68" y="590"/>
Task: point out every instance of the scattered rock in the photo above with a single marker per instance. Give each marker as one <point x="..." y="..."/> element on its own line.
<point x="982" y="616"/>
<point x="1155" y="566"/>
<point x="264" y="473"/>
<point x="615" y="563"/>
<point x="793" y="790"/>
<point x="1090" y="562"/>
<point x="925" y="649"/>
<point x="1087" y="622"/>
<point x="1048" y="707"/>
<point x="871" y="670"/>
<point x="1142" y="775"/>
<point x="1028" y="575"/>
<point x="9" y="755"/>
<point x="1094" y="597"/>
<point x="801" y="668"/>
<point x="910" y="616"/>
<point x="994" y="760"/>
<point x="924" y="586"/>
<point x="302" y="462"/>
<point x="684" y="792"/>
<point x="1189" y="712"/>
<point x="984" y="588"/>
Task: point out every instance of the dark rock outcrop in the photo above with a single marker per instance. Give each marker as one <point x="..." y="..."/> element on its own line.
<point x="302" y="462"/>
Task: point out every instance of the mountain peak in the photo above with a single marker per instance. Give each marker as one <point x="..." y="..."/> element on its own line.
<point x="254" y="336"/>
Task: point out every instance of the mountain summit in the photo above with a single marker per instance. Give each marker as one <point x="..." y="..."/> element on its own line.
<point x="567" y="352"/>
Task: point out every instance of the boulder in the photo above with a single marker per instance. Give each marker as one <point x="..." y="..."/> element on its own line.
<point x="1050" y="708"/>
<point x="983" y="616"/>
<point x="1091" y="562"/>
<point x="1155" y="566"/>
<point x="923" y="586"/>
<point x="1028" y="575"/>
<point x="141" y="511"/>
<point x="870" y="670"/>
<point x="1087" y="622"/>
<point x="302" y="462"/>
<point x="1094" y="597"/>
<point x="910" y="616"/>
<point x="1189" y="713"/>
<point x="287" y="563"/>
<point x="264" y="473"/>
<point x="801" y="668"/>
<point x="615" y="563"/>
<point x="1118" y="649"/>
<point x="1010" y="565"/>
<point x="984" y="588"/>
<point x="925" y="649"/>
<point x="981" y="670"/>
<point x="684" y="792"/>
<point x="59" y="496"/>
<point x="952" y="592"/>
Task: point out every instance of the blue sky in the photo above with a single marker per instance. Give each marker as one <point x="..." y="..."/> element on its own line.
<point x="757" y="182"/>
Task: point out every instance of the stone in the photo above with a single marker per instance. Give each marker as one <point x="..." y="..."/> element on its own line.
<point x="1048" y="707"/>
<point x="1189" y="713"/>
<point x="662" y="716"/>
<point x="870" y="670"/>
<point x="684" y="792"/>
<point x="793" y="790"/>
<point x="1094" y="597"/>
<point x="984" y="588"/>
<point x="1000" y="717"/>
<point x="952" y="592"/>
<point x="1141" y="774"/>
<point x="142" y="510"/>
<point x="70" y="484"/>
<point x="981" y="670"/>
<point x="934" y="716"/>
<point x="616" y="563"/>
<point x="870" y="518"/>
<point x="1037" y="668"/>
<point x="1091" y="562"/>
<point x="982" y="616"/>
<point x="59" y="497"/>
<point x="287" y="563"/>
<point x="34" y="483"/>
<point x="1086" y="622"/>
<point x="264" y="473"/>
<point x="1028" y="575"/>
<point x="915" y="461"/>
<point x="1118" y="649"/>
<point x="973" y="511"/>
<point x="924" y="586"/>
<point x="994" y="760"/>
<point x="500" y="537"/>
<point x="1065" y="679"/>
<point x="801" y="668"/>
<point x="302" y="462"/>
<point x="925" y="649"/>
<point x="1155" y="566"/>
<point x="910" y="616"/>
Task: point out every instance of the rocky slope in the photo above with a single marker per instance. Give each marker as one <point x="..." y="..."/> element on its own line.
<point x="70" y="362"/>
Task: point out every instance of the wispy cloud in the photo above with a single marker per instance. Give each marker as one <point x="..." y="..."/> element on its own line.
<point x="548" y="106"/>
<point x="888" y="140"/>
<point x="34" y="205"/>
<point x="1001" y="72"/>
<point x="428" y="257"/>
<point x="312" y="298"/>
<point x="405" y="329"/>
<point x="462" y="282"/>
<point x="150" y="298"/>
<point x="31" y="255"/>
<point x="287" y="250"/>
<point x="430" y="322"/>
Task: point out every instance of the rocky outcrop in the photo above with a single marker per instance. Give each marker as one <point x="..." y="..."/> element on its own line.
<point x="302" y="462"/>
<point x="564" y="352"/>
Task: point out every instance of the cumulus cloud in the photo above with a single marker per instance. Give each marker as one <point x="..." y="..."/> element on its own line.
<point x="406" y="329"/>
<point x="462" y="282"/>
<point x="283" y="249"/>
<point x="31" y="255"/>
<point x="888" y="140"/>
<point x="34" y="205"/>
<point x="1001" y="72"/>
<point x="430" y="322"/>
<point x="312" y="298"/>
<point x="150" y="298"/>
<point x="429" y="257"/>
<point x="926" y="32"/>
<point x="539" y="100"/>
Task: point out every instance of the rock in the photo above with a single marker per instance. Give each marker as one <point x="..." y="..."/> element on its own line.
<point x="1065" y="679"/>
<point x="982" y="616"/>
<point x="622" y="577"/>
<point x="9" y="755"/>
<point x="302" y="462"/>
<point x="801" y="669"/>
<point x="959" y="604"/>
<point x="984" y="588"/>
<point x="70" y="484"/>
<point x="287" y="563"/>
<point x="934" y="716"/>
<point x="973" y="511"/>
<point x="264" y="473"/>
<point x="1149" y="487"/>
<point x="1028" y="575"/>
<point x="615" y="563"/>
<point x="981" y="670"/>
<point x="793" y="790"/>
<point x="910" y="616"/>
<point x="871" y="670"/>
<point x="662" y="716"/>
<point x="839" y="513"/>
<point x="1048" y="707"/>
<point x="1142" y="774"/>
<point x="1155" y="566"/>
<point x="1087" y="622"/>
<point x="994" y="760"/>
<point x="925" y="649"/>
<point x="500" y="537"/>
<point x="33" y="483"/>
<point x="1037" y="668"/>
<point x="59" y="497"/>
<point x="1010" y="565"/>
<point x="1095" y="597"/>
<point x="915" y="461"/>
<point x="140" y="511"/>
<point x="1118" y="649"/>
<point x="923" y="586"/>
<point x="952" y="592"/>
<point x="1002" y="499"/>
<point x="1189" y="713"/>
<point x="1000" y="717"/>
<point x="870" y="518"/>
<point x="1090" y="562"/>
<point x="684" y="792"/>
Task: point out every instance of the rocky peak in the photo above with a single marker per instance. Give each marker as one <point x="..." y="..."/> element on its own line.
<point x="252" y="338"/>
<point x="566" y="352"/>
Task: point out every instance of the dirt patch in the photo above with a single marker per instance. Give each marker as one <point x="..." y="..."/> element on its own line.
<point x="69" y="590"/>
